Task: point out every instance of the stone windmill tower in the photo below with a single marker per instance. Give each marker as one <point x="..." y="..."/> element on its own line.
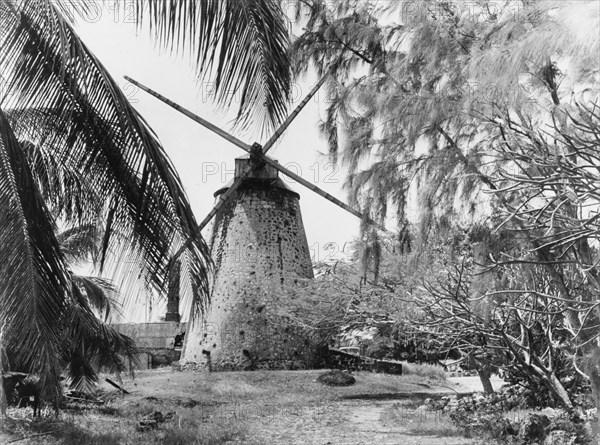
<point x="259" y="246"/>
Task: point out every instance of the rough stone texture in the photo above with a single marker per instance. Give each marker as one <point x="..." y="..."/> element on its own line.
<point x="155" y="341"/>
<point x="173" y="294"/>
<point x="159" y="335"/>
<point x="258" y="246"/>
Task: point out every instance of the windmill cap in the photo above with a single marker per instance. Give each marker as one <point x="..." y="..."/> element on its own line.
<point x="263" y="177"/>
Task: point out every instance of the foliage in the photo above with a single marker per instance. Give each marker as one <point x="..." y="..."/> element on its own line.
<point x="433" y="372"/>
<point x="411" y="82"/>
<point x="502" y="417"/>
<point x="382" y="317"/>
<point x="340" y="308"/>
<point x="445" y="114"/>
<point x="88" y="343"/>
<point x="241" y="44"/>
<point x="555" y="215"/>
<point x="73" y="150"/>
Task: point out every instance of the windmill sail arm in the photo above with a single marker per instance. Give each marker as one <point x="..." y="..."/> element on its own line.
<point x="224" y="198"/>
<point x="320" y="191"/>
<point x="212" y="127"/>
<point x="292" y="116"/>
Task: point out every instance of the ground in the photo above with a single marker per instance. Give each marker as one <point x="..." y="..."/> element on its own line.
<point x="277" y="407"/>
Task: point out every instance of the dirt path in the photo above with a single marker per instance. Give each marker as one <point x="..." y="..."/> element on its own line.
<point x="352" y="423"/>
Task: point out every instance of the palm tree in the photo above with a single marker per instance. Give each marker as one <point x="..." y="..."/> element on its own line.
<point x="89" y="342"/>
<point x="105" y="161"/>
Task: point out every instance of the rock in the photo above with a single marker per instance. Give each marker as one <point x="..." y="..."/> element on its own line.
<point x="533" y="429"/>
<point x="336" y="378"/>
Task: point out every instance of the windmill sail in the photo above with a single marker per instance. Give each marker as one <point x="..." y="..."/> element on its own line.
<point x="247" y="148"/>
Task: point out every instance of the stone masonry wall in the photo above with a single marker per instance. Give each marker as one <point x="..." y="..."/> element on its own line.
<point x="155" y="340"/>
<point x="259" y="246"/>
<point x="159" y="335"/>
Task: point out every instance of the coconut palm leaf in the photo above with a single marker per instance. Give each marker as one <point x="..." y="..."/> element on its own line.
<point x="80" y="244"/>
<point x="70" y="197"/>
<point x="104" y="138"/>
<point x="101" y="294"/>
<point x="243" y="43"/>
<point x="91" y="345"/>
<point x="33" y="277"/>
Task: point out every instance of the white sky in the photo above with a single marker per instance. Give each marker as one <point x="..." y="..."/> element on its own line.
<point x="205" y="161"/>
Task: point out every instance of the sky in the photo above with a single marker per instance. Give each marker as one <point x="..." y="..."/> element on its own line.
<point x="205" y="161"/>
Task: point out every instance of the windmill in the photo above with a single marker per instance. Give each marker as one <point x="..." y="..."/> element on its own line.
<point x="258" y="244"/>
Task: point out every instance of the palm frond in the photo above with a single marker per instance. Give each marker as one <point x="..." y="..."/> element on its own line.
<point x="101" y="295"/>
<point x="66" y="191"/>
<point x="80" y="243"/>
<point x="105" y="139"/>
<point x="33" y="276"/>
<point x="243" y="43"/>
<point x="91" y="345"/>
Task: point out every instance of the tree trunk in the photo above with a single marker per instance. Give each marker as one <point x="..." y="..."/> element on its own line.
<point x="484" y="376"/>
<point x="559" y="390"/>
<point x="483" y="282"/>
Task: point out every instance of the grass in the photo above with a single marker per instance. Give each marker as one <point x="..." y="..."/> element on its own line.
<point x="118" y="423"/>
<point x="419" y="421"/>
<point x="215" y="408"/>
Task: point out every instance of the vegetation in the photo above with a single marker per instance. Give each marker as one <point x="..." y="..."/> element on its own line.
<point x="476" y="129"/>
<point x="73" y="152"/>
<point x="467" y="110"/>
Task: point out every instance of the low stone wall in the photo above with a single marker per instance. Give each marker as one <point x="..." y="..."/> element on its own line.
<point x="342" y="360"/>
<point x="156" y="341"/>
<point x="160" y="335"/>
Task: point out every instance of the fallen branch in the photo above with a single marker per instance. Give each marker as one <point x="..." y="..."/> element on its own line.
<point x="120" y="388"/>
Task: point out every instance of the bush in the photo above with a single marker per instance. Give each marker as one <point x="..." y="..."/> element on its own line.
<point x="428" y="371"/>
<point x="505" y="417"/>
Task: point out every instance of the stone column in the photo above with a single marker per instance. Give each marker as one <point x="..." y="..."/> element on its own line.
<point x="173" y="294"/>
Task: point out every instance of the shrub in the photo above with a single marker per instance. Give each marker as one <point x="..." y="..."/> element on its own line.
<point x="424" y="370"/>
